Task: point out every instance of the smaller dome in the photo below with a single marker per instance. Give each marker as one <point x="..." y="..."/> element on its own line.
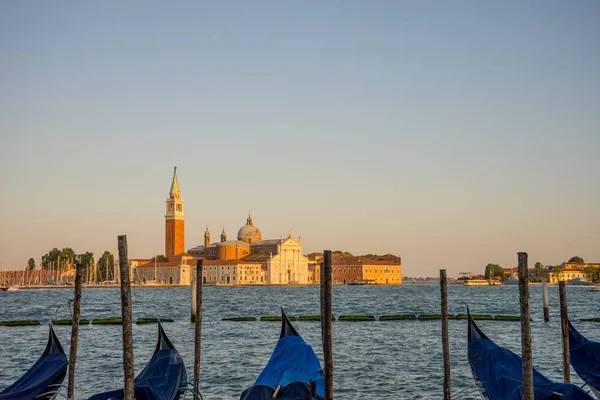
<point x="249" y="233"/>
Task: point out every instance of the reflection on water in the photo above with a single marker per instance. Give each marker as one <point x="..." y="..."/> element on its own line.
<point x="372" y="360"/>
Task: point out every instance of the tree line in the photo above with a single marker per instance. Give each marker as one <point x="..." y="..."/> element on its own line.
<point x="61" y="260"/>
<point x="496" y="271"/>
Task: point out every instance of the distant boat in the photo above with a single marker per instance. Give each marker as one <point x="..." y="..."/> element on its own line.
<point x="498" y="372"/>
<point x="44" y="378"/>
<point x="513" y="280"/>
<point x="585" y="359"/>
<point x="482" y="282"/>
<point x="578" y="282"/>
<point x="12" y="288"/>
<point x="293" y="372"/>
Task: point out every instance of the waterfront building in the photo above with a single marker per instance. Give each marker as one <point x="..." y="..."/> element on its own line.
<point x="281" y="260"/>
<point x="569" y="272"/>
<point x="349" y="269"/>
<point x="175" y="271"/>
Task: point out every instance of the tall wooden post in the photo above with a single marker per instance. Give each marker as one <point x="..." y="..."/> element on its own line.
<point x="194" y="280"/>
<point x="445" y="339"/>
<point x="526" y="353"/>
<point x="564" y="323"/>
<point x="75" y="329"/>
<point x="127" y="317"/>
<point x="545" y="300"/>
<point x="198" y="332"/>
<point x="326" y="314"/>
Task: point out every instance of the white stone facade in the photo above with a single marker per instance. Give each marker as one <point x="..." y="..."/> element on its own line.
<point x="288" y="266"/>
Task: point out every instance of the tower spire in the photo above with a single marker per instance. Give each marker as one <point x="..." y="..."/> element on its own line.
<point x="174" y="184"/>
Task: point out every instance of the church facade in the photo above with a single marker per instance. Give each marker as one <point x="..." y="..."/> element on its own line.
<point x="236" y="261"/>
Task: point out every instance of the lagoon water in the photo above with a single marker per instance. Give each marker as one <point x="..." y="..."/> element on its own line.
<point x="372" y="360"/>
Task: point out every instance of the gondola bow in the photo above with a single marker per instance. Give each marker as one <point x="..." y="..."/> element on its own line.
<point x="292" y="373"/>
<point x="49" y="370"/>
<point x="498" y="372"/>
<point x="160" y="379"/>
<point x="585" y="358"/>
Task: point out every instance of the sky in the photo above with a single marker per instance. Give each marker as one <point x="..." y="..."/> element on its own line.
<point x="454" y="134"/>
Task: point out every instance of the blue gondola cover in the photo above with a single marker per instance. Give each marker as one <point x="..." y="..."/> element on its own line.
<point x="585" y="358"/>
<point x="160" y="379"/>
<point x="293" y="365"/>
<point x="49" y="369"/>
<point x="500" y="372"/>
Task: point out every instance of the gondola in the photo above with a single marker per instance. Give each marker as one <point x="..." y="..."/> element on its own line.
<point x="292" y="373"/>
<point x="161" y="379"/>
<point x="585" y="359"/>
<point x="44" y="377"/>
<point x="498" y="372"/>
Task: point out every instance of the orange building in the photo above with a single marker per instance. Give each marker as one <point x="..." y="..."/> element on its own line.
<point x="349" y="269"/>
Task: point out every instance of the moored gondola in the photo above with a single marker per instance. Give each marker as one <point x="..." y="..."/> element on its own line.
<point x="585" y="359"/>
<point x="161" y="379"/>
<point x="44" y="377"/>
<point x="292" y="373"/>
<point x="498" y="374"/>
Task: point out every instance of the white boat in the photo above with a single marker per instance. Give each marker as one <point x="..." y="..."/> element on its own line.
<point x="482" y="282"/>
<point x="13" y="288"/>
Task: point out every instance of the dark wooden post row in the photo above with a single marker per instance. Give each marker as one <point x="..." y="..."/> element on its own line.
<point x="445" y="338"/>
<point x="75" y="329"/>
<point x="198" y="331"/>
<point x="326" y="315"/>
<point x="545" y="301"/>
<point x="526" y="353"/>
<point x="564" y="323"/>
<point x="127" y="319"/>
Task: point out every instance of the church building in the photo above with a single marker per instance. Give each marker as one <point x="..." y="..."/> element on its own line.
<point x="250" y="259"/>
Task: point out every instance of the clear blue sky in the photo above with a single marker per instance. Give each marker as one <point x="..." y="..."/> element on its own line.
<point x="451" y="133"/>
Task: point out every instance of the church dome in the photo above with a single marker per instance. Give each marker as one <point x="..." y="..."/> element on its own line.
<point x="249" y="233"/>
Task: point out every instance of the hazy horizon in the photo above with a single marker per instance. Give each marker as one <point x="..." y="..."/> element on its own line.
<point x="451" y="134"/>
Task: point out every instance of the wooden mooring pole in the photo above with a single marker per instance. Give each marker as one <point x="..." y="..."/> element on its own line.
<point x="545" y="300"/>
<point x="193" y="314"/>
<point x="75" y="329"/>
<point x="564" y="323"/>
<point x="526" y="353"/>
<point x="127" y="318"/>
<point x="445" y="339"/>
<point x="198" y="332"/>
<point x="326" y="314"/>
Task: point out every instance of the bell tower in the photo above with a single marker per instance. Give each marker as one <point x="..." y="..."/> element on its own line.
<point x="174" y="220"/>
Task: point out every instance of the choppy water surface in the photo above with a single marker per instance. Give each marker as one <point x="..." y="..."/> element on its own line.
<point x="372" y="360"/>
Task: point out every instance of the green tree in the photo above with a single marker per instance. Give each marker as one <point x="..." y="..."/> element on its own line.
<point x="30" y="265"/>
<point x="67" y="254"/>
<point x="592" y="273"/>
<point x="106" y="267"/>
<point x="50" y="258"/>
<point x="160" y="258"/>
<point x="538" y="269"/>
<point x="576" y="260"/>
<point x="86" y="260"/>
<point x="494" y="270"/>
